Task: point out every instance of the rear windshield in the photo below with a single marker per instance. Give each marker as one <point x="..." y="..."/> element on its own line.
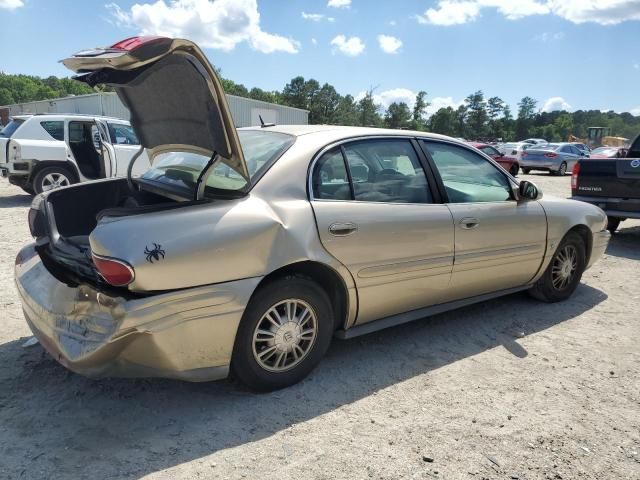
<point x="180" y="170"/>
<point x="604" y="150"/>
<point x="11" y="128"/>
<point x="545" y="146"/>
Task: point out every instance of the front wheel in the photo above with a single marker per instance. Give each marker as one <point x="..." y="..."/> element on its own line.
<point x="285" y="331"/>
<point x="514" y="170"/>
<point x="526" y="171"/>
<point x="564" y="272"/>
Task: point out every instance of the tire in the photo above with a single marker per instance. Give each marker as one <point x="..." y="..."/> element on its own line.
<point x="561" y="172"/>
<point x="28" y="189"/>
<point x="50" y="178"/>
<point x="526" y="171"/>
<point x="612" y="224"/>
<point x="514" y="170"/>
<point x="251" y="362"/>
<point x="551" y="287"/>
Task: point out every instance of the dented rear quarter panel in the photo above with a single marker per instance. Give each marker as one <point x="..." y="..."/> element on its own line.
<point x="226" y="240"/>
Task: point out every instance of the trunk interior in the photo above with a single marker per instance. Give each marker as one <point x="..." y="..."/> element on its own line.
<point x="76" y="212"/>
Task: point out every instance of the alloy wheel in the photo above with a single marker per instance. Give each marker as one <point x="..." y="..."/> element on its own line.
<point x="284" y="335"/>
<point x="54" y="180"/>
<point x="565" y="265"/>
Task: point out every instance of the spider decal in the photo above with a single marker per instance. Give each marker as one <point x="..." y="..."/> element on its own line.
<point x="155" y="253"/>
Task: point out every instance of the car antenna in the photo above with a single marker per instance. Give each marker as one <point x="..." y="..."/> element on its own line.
<point x="264" y="125"/>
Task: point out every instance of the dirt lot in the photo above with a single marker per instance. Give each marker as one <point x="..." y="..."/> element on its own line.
<point x="507" y="389"/>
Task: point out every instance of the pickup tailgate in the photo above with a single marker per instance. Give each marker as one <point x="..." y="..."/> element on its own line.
<point x="612" y="184"/>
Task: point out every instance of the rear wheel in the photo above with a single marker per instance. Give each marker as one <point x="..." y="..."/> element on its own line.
<point x="526" y="171"/>
<point x="285" y="331"/>
<point x="514" y="170"/>
<point x="562" y="170"/>
<point x="564" y="272"/>
<point x="50" y="178"/>
<point x="612" y="224"/>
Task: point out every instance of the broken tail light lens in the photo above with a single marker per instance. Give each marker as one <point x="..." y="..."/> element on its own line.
<point x="131" y="43"/>
<point x="115" y="272"/>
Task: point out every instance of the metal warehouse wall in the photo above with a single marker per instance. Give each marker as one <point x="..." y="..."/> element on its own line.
<point x="245" y="111"/>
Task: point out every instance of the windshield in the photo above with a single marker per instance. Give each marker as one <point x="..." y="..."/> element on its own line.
<point x="180" y="170"/>
<point x="11" y="127"/>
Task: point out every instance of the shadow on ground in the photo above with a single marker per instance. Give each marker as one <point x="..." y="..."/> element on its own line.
<point x="625" y="243"/>
<point x="56" y="424"/>
<point x="13" y="201"/>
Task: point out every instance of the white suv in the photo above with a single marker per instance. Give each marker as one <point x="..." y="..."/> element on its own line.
<point x="42" y="152"/>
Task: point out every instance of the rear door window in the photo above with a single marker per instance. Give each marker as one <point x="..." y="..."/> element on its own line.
<point x="122" y="134"/>
<point x="387" y="171"/>
<point x="54" y="128"/>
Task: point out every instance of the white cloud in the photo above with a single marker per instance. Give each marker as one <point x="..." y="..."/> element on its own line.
<point x="450" y="12"/>
<point x="317" y="17"/>
<point x="339" y="3"/>
<point x="218" y="24"/>
<point x="555" y="103"/>
<point x="604" y="12"/>
<point x="349" y="46"/>
<point x="11" y="4"/>
<point x="549" y="36"/>
<point x="314" y="41"/>
<point x="443" y="102"/>
<point x="636" y="65"/>
<point x="393" y="23"/>
<point x="389" y="44"/>
<point x="635" y="111"/>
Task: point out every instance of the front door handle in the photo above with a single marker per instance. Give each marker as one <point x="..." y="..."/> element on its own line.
<point x="342" y="229"/>
<point x="468" y="223"/>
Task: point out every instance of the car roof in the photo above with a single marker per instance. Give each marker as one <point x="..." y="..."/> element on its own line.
<point x="479" y="144"/>
<point x="341" y="131"/>
<point x="58" y="116"/>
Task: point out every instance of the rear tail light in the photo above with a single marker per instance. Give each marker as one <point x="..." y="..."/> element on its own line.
<point x="131" y="43"/>
<point x="115" y="272"/>
<point x="551" y="155"/>
<point x="574" y="175"/>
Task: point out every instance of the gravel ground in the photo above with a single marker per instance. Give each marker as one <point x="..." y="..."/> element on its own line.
<point x="508" y="389"/>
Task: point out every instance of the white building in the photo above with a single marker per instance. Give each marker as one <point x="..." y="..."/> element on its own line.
<point x="245" y="111"/>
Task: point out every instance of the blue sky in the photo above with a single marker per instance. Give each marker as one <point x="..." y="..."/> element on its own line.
<point x="576" y="54"/>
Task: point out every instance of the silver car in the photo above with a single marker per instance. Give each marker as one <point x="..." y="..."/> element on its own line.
<point x="555" y="158"/>
<point x="249" y="250"/>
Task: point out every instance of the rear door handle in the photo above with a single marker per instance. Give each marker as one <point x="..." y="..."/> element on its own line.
<point x="342" y="229"/>
<point x="468" y="223"/>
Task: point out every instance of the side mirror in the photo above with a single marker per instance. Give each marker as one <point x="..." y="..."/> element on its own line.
<point x="528" y="191"/>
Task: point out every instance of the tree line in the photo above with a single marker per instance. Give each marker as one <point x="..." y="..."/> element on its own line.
<point x="477" y="118"/>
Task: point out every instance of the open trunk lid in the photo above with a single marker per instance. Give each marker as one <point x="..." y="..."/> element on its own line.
<point x="174" y="95"/>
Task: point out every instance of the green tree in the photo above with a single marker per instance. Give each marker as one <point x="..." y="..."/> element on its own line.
<point x="477" y="115"/>
<point x="398" y="115"/>
<point x="444" y="121"/>
<point x="495" y="108"/>
<point x="563" y="127"/>
<point x="367" y="109"/>
<point x="419" y="111"/>
<point x="526" y="114"/>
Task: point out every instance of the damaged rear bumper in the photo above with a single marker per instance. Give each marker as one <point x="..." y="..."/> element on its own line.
<point x="186" y="334"/>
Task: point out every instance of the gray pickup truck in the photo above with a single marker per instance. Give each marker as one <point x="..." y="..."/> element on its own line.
<point x="611" y="184"/>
